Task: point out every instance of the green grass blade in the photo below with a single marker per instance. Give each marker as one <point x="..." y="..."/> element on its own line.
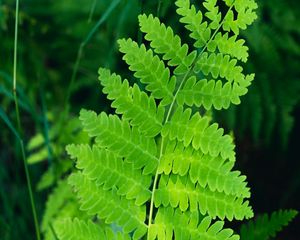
<point x="106" y="14"/>
<point x="5" y="118"/>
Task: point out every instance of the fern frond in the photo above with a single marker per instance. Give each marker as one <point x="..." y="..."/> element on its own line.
<point x="229" y="45"/>
<point x="214" y="172"/>
<point x="245" y="15"/>
<point x="149" y="69"/>
<point x="181" y="192"/>
<point x="201" y="31"/>
<point x="212" y="13"/>
<point x="159" y="142"/>
<point x="212" y="93"/>
<point x="164" y="41"/>
<point x="264" y="227"/>
<point x="173" y="224"/>
<point x="196" y="130"/>
<point x="219" y="65"/>
<point x="134" y="104"/>
<point x="76" y="229"/>
<point x="109" y="206"/>
<point x="111" y="171"/>
<point x="128" y="142"/>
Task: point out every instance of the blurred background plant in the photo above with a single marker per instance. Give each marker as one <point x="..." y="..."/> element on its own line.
<point x="62" y="44"/>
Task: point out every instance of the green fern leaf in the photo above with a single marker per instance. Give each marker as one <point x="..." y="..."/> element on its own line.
<point x="229" y="45"/>
<point x="212" y="93"/>
<point x="264" y="227"/>
<point x="173" y="224"/>
<point x="181" y="192"/>
<point x="197" y="131"/>
<point x="200" y="31"/>
<point x="245" y="15"/>
<point x="212" y="13"/>
<point x="76" y="229"/>
<point x="163" y="41"/>
<point x="134" y="104"/>
<point x="214" y="172"/>
<point x="219" y="65"/>
<point x="109" y="206"/>
<point x="111" y="171"/>
<point x="150" y="69"/>
<point x="128" y="142"/>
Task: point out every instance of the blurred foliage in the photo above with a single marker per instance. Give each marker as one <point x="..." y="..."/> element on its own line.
<point x="50" y="34"/>
<point x="267" y="112"/>
<point x="265" y="227"/>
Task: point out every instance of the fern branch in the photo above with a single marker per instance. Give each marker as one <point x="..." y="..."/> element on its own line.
<point x="200" y="31"/>
<point x="214" y="172"/>
<point x="208" y="93"/>
<point x="109" y="206"/>
<point x="78" y="229"/>
<point x="109" y="171"/>
<point x="128" y="142"/>
<point x="149" y="69"/>
<point x="163" y="41"/>
<point x="229" y="45"/>
<point x="219" y="65"/>
<point x="181" y="192"/>
<point x="173" y="224"/>
<point x="245" y="15"/>
<point x="196" y="130"/>
<point x="132" y="103"/>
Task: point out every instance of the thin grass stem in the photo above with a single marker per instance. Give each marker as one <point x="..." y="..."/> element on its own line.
<point x="103" y="18"/>
<point x="32" y="202"/>
<point x="91" y="14"/>
<point x="159" y="7"/>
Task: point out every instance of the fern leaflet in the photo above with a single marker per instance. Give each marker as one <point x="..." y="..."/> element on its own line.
<point x="78" y="229"/>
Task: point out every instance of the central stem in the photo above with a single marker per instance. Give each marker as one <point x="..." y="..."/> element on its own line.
<point x="162" y="147"/>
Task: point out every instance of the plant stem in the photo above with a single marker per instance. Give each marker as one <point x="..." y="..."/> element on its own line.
<point x="92" y="10"/>
<point x="19" y="124"/>
<point x="190" y="70"/>
<point x="159" y="7"/>
<point x="112" y="6"/>
<point x="15" y="67"/>
<point x="53" y="231"/>
<point x="32" y="202"/>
